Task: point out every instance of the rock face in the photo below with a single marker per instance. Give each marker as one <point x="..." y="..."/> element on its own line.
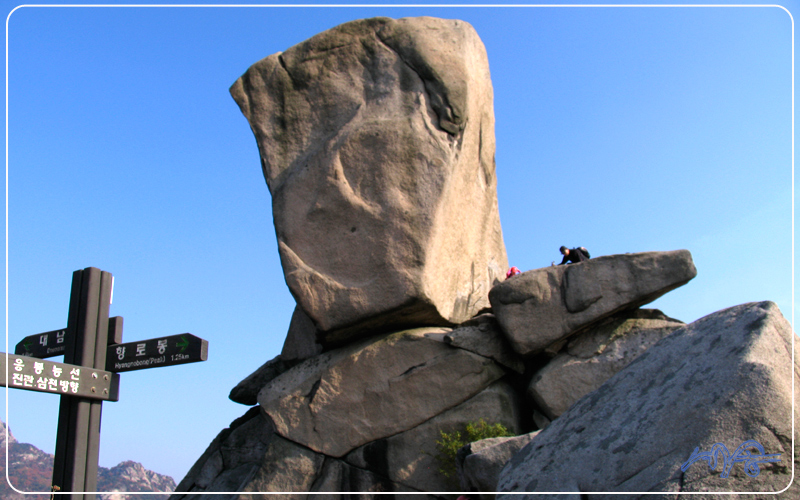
<point x="249" y="456"/>
<point x="377" y="143"/>
<point x="301" y="340"/>
<point x="567" y="299"/>
<point x="373" y="389"/>
<point x="726" y="378"/>
<point x="479" y="464"/>
<point x="594" y="356"/>
<point x="381" y="406"/>
<point x="246" y="391"/>
<point x="482" y="336"/>
<point x="408" y="458"/>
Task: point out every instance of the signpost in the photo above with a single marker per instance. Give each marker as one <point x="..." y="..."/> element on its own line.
<point x="93" y="355"/>
<point x="43" y="345"/>
<point x="153" y="353"/>
<point x="33" y="374"/>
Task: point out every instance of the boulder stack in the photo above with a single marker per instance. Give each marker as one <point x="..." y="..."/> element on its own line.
<point x="370" y="411"/>
<point x="377" y="144"/>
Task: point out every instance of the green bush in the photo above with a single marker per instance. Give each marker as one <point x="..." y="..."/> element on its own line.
<point x="451" y="442"/>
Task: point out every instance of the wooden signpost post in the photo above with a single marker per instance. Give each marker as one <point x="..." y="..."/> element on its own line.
<point x="93" y="355"/>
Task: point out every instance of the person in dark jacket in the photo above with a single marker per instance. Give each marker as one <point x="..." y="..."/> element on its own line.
<point x="579" y="254"/>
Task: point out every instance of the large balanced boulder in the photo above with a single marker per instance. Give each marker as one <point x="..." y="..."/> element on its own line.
<point x="373" y="389"/>
<point x="594" y="356"/>
<point x="377" y="143"/>
<point x="541" y="307"/>
<point x="726" y="378"/>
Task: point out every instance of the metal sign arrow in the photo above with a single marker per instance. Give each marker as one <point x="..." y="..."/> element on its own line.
<point x="157" y="352"/>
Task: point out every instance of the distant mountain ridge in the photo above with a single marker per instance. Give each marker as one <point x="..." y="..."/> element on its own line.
<point x="31" y="469"/>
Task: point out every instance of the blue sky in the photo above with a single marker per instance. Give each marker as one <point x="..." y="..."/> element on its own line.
<point x="618" y="129"/>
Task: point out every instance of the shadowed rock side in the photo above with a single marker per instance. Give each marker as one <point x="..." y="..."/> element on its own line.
<point x="363" y="418"/>
<point x="408" y="457"/>
<point x="479" y="464"/>
<point x="377" y="143"/>
<point x="481" y="335"/>
<point x="250" y="457"/>
<point x="726" y="378"/>
<point x="595" y="355"/>
<point x="246" y="391"/>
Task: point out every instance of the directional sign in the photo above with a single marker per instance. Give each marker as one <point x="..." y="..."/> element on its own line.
<point x="34" y="374"/>
<point x="43" y="345"/>
<point x="157" y="352"/>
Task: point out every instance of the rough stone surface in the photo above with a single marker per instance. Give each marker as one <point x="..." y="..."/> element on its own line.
<point x="408" y="458"/>
<point x="250" y="457"/>
<point x="377" y="143"/>
<point x="540" y="307"/>
<point x="301" y="340"/>
<point x="342" y="399"/>
<point x="482" y="336"/>
<point x="246" y="391"/>
<point x="540" y="419"/>
<point x="339" y="476"/>
<point x="594" y="356"/>
<point x="285" y="467"/>
<point x="726" y="378"/>
<point x="232" y="458"/>
<point x="480" y="463"/>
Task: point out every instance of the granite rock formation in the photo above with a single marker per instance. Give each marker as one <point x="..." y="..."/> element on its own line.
<point x="363" y="417"/>
<point x="409" y="457"/>
<point x="567" y="299"/>
<point x="726" y="378"/>
<point x="343" y="399"/>
<point x="482" y="336"/>
<point x="479" y="464"/>
<point x="377" y="144"/>
<point x="301" y="340"/>
<point x="246" y="391"/>
<point x="377" y="138"/>
<point x="590" y="359"/>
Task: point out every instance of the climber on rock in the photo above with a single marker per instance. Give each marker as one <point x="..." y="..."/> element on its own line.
<point x="574" y="255"/>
